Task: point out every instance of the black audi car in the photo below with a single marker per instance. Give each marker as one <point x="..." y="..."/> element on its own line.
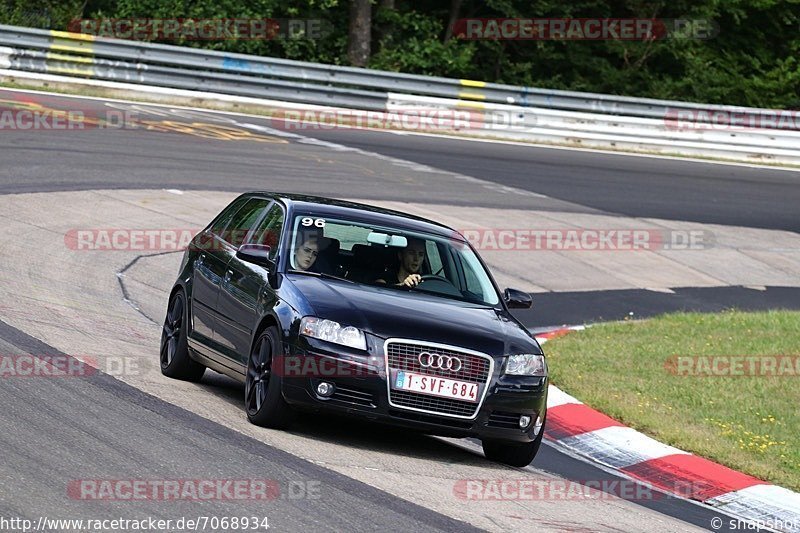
<point x="325" y="305"/>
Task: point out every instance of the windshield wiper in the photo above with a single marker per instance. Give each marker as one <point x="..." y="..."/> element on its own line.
<point x="322" y="275"/>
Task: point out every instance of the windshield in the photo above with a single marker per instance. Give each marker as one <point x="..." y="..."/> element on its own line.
<point x="385" y="256"/>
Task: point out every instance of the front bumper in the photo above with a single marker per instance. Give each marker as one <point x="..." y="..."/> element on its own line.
<point x="361" y="391"/>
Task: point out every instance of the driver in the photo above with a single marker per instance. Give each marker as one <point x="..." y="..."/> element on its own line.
<point x="407" y="273"/>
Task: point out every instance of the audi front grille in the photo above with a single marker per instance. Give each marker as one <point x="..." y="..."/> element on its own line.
<point x="403" y="355"/>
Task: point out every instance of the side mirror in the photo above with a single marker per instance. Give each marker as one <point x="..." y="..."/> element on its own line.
<point x="517" y="299"/>
<point x="257" y="254"/>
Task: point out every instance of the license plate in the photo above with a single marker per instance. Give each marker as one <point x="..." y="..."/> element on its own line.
<point x="437" y="386"/>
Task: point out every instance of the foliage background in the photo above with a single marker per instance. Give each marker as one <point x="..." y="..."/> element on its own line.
<point x="753" y="61"/>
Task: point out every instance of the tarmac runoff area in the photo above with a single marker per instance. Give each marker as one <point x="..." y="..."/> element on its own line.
<point x="64" y="250"/>
<point x="72" y="300"/>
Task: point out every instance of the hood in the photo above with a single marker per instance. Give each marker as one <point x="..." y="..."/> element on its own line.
<point x="387" y="312"/>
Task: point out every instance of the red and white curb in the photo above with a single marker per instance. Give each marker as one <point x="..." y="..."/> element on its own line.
<point x="601" y="439"/>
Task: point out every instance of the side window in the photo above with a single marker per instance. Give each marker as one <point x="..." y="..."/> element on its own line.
<point x="224" y="218"/>
<point x="243" y="221"/>
<point x="269" y="230"/>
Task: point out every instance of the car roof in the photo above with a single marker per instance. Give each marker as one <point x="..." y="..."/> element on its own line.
<point x="363" y="212"/>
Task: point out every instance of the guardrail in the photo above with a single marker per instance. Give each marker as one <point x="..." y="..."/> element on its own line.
<point x="595" y="120"/>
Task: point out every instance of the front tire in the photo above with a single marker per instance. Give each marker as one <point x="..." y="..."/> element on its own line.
<point x="175" y="360"/>
<point x="263" y="400"/>
<point x="513" y="453"/>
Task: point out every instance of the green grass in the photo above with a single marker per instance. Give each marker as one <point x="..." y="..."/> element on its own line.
<point x="749" y="423"/>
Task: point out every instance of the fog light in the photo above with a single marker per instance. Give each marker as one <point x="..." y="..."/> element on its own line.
<point x="524" y="421"/>
<point x="538" y="427"/>
<point x="325" y="389"/>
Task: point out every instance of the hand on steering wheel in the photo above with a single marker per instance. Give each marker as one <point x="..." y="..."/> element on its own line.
<point x="412" y="280"/>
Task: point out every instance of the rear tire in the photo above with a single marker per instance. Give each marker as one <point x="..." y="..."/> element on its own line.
<point x="175" y="360"/>
<point x="263" y="400"/>
<point x="513" y="453"/>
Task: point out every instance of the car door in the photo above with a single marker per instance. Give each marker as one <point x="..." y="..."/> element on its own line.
<point x="210" y="261"/>
<point x="243" y="282"/>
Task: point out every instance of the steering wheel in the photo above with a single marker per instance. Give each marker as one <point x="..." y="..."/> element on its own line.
<point x="434" y="277"/>
<point x="440" y="284"/>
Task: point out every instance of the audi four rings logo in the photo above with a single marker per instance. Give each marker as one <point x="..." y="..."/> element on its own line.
<point x="439" y="362"/>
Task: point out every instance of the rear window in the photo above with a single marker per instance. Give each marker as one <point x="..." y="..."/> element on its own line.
<point x="240" y="224"/>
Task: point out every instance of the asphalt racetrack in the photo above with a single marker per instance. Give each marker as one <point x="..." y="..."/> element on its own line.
<point x="180" y="168"/>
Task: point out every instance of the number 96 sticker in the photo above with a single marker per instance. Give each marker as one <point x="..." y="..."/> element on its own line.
<point x="308" y="221"/>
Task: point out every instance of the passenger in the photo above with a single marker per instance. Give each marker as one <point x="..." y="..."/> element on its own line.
<point x="307" y="249"/>
<point x="407" y="273"/>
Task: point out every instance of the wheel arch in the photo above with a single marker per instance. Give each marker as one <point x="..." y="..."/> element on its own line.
<point x="176" y="288"/>
<point x="282" y="316"/>
<point x="180" y="287"/>
<point x="266" y="321"/>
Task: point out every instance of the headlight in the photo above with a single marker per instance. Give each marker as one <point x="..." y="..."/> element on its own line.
<point x="328" y="330"/>
<point x="526" y="365"/>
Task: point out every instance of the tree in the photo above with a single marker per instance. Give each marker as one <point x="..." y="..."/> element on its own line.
<point x="360" y="34"/>
<point x="752" y="58"/>
<point x="455" y="9"/>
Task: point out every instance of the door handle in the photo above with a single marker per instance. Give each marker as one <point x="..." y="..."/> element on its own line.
<point x="228" y="275"/>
